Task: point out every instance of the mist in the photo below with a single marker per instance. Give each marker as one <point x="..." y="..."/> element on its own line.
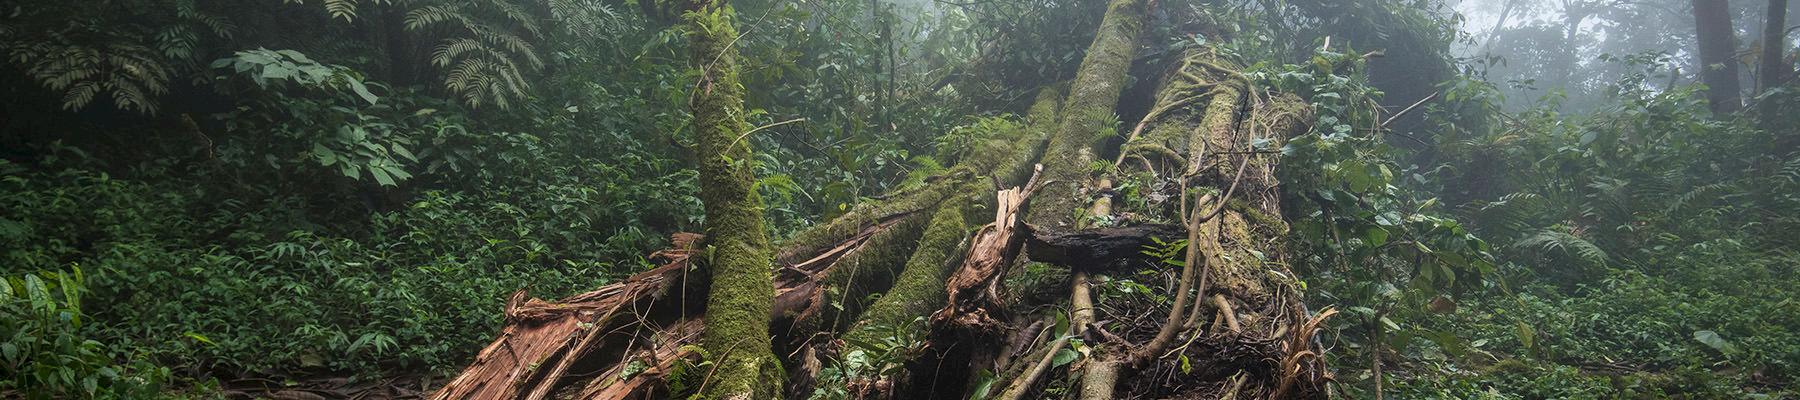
<point x="899" y="199"/>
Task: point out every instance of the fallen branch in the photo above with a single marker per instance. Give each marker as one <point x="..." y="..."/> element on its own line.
<point x="1095" y="248"/>
<point x="974" y="288"/>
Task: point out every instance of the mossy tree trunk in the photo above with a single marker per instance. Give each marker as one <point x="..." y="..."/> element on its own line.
<point x="1087" y="117"/>
<point x="741" y="291"/>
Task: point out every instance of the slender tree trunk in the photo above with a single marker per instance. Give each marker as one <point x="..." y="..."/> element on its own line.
<point x="1773" y="71"/>
<point x="1717" y="42"/>
<point x="1086" y="115"/>
<point x="402" y="70"/>
<point x="1499" y="23"/>
<point x="741" y="293"/>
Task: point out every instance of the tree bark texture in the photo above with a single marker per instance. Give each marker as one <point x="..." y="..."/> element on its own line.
<point x="1717" y="41"/>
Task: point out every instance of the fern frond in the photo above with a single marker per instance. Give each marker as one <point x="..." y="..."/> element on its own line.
<point x="587" y="19"/>
<point x="422" y="17"/>
<point x="1554" y="240"/>
<point x="510" y="42"/>
<point x="1791" y="170"/>
<point x="80" y="95"/>
<point x="517" y="15"/>
<point x="345" y="9"/>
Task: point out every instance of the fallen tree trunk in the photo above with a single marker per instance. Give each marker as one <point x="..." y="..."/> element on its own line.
<point x="1098" y="246"/>
<point x="866" y="281"/>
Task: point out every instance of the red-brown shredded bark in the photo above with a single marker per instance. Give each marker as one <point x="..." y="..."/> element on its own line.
<point x="539" y="333"/>
<point x="542" y="339"/>
<point x="668" y="347"/>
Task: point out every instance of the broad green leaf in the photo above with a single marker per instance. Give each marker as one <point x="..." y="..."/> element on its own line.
<point x="357" y="86"/>
<point x="1064" y="357"/>
<point x="1527" y="334"/>
<point x="200" y="338"/>
<point x="381" y="176"/>
<point x="1716" y="342"/>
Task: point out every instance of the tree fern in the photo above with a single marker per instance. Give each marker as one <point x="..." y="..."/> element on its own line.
<point x="1691" y="197"/>
<point x="125" y="52"/>
<point x="345" y="9"/>
<point x="1559" y="241"/>
<point x="488" y="51"/>
<point x="133" y="74"/>
<point x="588" y="19"/>
<point x="1512" y="214"/>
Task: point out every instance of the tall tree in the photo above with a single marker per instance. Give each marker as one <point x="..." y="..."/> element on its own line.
<point x="1712" y="26"/>
<point x="1773" y="72"/>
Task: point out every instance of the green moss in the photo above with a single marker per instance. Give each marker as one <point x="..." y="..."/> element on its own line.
<point x="741" y="290"/>
<point x="868" y="269"/>
<point x="1008" y="157"/>
<point x="919" y="290"/>
<point x="1086" y="114"/>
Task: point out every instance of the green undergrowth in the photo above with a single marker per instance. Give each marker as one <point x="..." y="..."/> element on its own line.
<point x="250" y="285"/>
<point x="1712" y="321"/>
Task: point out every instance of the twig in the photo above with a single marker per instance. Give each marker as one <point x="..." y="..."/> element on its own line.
<point x="1390" y="120"/>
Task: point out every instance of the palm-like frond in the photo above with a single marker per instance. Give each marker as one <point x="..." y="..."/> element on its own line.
<point x="488" y="56"/>
<point x="1559" y="241"/>
<point x="133" y="74"/>
<point x="1692" y="197"/>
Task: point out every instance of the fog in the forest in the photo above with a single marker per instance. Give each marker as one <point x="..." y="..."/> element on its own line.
<point x="1572" y="53"/>
<point x="899" y="199"/>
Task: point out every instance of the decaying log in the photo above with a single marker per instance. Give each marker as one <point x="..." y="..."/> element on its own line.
<point x="668" y="347"/>
<point x="799" y="288"/>
<point x="1096" y="248"/>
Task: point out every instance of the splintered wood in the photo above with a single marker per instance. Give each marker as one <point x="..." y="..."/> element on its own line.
<point x="542" y="339"/>
<point x="974" y="288"/>
<point x="658" y="361"/>
<point x="798" y="292"/>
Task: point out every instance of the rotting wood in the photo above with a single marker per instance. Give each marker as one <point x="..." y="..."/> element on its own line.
<point x="1096" y="248"/>
<point x="538" y="331"/>
<point x="974" y="288"/>
<point x="668" y="347"/>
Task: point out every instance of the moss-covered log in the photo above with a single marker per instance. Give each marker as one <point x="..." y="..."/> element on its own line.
<point x="918" y="287"/>
<point x="1087" y="116"/>
<point x="741" y="291"/>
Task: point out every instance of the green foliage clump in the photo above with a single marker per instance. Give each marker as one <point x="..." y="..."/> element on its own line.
<point x="1645" y="262"/>
<point x="251" y="285"/>
<point x="46" y="352"/>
